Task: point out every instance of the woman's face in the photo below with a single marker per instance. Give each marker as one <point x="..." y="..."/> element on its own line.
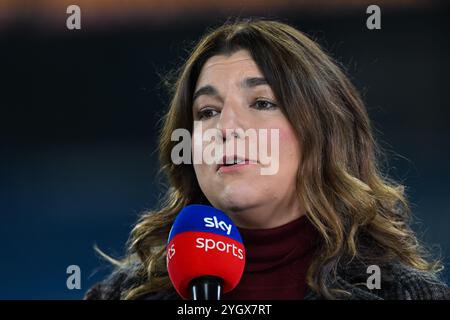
<point x="232" y="99"/>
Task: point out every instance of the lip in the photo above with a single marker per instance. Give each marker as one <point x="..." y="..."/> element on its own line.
<point x="229" y="168"/>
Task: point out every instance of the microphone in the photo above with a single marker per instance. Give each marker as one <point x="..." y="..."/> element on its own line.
<point x="205" y="253"/>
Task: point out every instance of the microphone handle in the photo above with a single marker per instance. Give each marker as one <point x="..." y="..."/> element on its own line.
<point x="206" y="288"/>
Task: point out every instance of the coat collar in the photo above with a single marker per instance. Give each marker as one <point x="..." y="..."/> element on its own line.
<point x="355" y="292"/>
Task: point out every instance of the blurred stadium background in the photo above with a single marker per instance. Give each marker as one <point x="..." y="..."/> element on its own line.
<point x="79" y="112"/>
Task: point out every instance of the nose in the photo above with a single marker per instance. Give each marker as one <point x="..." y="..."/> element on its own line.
<point x="231" y="119"/>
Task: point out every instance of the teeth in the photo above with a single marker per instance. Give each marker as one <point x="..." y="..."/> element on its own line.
<point x="231" y="162"/>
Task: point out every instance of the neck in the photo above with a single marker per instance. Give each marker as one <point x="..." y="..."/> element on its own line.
<point x="266" y="216"/>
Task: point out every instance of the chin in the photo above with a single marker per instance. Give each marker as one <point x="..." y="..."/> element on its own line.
<point x="237" y="197"/>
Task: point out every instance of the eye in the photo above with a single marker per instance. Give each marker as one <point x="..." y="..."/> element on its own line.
<point x="264" y="105"/>
<point x="206" y="113"/>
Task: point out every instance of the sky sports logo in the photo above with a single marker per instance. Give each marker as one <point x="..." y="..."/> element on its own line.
<point x="210" y="244"/>
<point x="215" y="223"/>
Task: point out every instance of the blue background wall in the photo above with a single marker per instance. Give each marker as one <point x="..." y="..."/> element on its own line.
<point x="79" y="112"/>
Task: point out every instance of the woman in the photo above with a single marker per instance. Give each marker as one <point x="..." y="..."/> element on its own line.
<point x="325" y="222"/>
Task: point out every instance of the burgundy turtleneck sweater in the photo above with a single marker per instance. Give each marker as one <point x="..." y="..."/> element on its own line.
<point x="276" y="262"/>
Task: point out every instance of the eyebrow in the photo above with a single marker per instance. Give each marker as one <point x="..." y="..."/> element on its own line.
<point x="209" y="90"/>
<point x="253" y="82"/>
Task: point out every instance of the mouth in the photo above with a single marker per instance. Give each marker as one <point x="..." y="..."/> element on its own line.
<point x="234" y="162"/>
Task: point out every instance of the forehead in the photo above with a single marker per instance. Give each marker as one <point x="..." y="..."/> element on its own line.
<point x="239" y="63"/>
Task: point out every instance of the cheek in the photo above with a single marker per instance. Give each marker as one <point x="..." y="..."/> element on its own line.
<point x="203" y="177"/>
<point x="289" y="149"/>
<point x="196" y="154"/>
